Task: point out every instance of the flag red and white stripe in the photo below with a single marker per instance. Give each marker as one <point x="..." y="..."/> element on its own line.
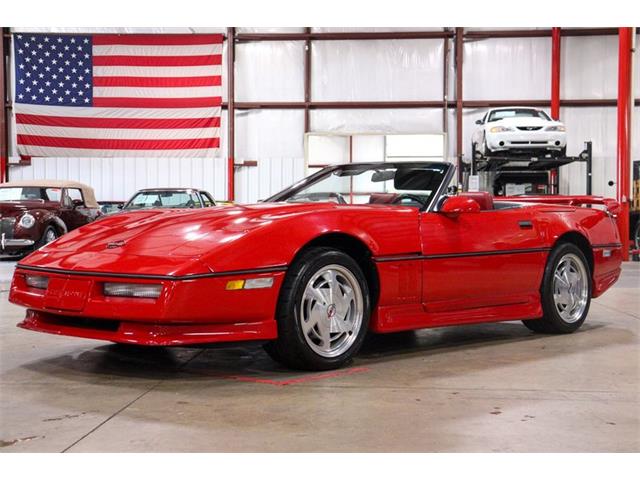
<point x="152" y="96"/>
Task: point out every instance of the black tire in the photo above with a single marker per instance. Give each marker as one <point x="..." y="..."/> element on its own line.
<point x="291" y="348"/>
<point x="552" y="322"/>
<point x="50" y="230"/>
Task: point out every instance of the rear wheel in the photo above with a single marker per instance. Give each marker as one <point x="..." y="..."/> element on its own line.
<point x="323" y="311"/>
<point x="565" y="292"/>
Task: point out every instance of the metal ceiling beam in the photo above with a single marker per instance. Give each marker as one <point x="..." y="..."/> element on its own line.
<point x="543" y="32"/>
<point x="308" y="35"/>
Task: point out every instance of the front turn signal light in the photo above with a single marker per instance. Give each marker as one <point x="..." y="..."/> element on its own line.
<point x="235" y="284"/>
<point x="250" y="284"/>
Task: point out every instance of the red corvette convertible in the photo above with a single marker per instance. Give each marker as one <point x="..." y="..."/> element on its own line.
<point x="352" y="248"/>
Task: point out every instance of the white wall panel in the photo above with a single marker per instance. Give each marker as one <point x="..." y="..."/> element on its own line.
<point x="269" y="177"/>
<point x="269" y="134"/>
<point x="419" y="120"/>
<point x="599" y="126"/>
<point x="119" y="178"/>
<point x="507" y="69"/>
<point x="269" y="71"/>
<point x="376" y="29"/>
<point x="269" y="30"/>
<point x="377" y="70"/>
<point x="589" y="67"/>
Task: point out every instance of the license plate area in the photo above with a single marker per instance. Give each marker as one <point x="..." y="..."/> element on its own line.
<point x="67" y="294"/>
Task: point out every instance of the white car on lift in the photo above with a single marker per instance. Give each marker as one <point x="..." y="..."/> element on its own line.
<point x="519" y="130"/>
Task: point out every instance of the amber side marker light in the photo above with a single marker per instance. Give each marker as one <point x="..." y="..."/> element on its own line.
<point x="250" y="284"/>
<point x="137" y="290"/>
<point x="36" y="281"/>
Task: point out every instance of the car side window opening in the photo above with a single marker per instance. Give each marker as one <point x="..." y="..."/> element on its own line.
<point x="52" y="194"/>
<point x="75" y="196"/>
<point x="408" y="185"/>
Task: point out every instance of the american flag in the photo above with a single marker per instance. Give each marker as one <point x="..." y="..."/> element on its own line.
<point x="117" y="95"/>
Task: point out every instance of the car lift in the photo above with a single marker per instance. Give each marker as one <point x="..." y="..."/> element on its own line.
<point x="524" y="165"/>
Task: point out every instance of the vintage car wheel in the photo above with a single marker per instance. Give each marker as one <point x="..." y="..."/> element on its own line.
<point x="566" y="291"/>
<point x="323" y="311"/>
<point x="49" y="235"/>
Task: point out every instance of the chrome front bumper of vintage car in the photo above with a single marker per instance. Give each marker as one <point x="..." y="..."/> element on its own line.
<point x="13" y="243"/>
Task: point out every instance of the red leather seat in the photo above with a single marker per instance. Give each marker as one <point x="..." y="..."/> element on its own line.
<point x="382" y="197"/>
<point x="484" y="199"/>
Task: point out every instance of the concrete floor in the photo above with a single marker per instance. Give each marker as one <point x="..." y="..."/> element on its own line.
<point x="483" y="388"/>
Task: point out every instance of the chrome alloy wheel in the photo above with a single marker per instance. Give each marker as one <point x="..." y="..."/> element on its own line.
<point x="49" y="236"/>
<point x="331" y="311"/>
<point x="570" y="288"/>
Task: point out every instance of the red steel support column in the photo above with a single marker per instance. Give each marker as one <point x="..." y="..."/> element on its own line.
<point x="231" y="113"/>
<point x="555" y="73"/>
<point x="4" y="141"/>
<point x="625" y="45"/>
<point x="458" y="59"/>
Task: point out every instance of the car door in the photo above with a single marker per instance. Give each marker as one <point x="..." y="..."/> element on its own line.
<point x="480" y="259"/>
<point x="74" y="212"/>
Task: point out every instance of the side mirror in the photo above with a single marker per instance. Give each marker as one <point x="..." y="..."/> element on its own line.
<point x="120" y="206"/>
<point x="479" y="121"/>
<point x="454" y="206"/>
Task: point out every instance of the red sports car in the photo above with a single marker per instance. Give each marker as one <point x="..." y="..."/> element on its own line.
<point x="352" y="248"/>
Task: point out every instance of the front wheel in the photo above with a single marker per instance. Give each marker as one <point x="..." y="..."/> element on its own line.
<point x="565" y="292"/>
<point x="49" y="235"/>
<point x="323" y="311"/>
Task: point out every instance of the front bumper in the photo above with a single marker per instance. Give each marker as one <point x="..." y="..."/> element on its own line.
<point x="11" y="247"/>
<point x="187" y="312"/>
<point x="523" y="140"/>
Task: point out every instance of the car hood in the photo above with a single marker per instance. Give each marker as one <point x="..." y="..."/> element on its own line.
<point x="15" y="209"/>
<point x="175" y="233"/>
<point x="524" y="122"/>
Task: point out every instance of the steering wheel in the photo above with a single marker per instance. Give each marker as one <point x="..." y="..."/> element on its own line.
<point x="409" y="196"/>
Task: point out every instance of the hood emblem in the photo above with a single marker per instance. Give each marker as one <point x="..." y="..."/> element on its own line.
<point x="116" y="244"/>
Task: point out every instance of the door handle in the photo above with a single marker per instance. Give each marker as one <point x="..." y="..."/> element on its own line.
<point x="525" y="224"/>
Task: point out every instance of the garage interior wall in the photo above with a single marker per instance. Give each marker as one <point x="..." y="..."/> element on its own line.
<point x="401" y="70"/>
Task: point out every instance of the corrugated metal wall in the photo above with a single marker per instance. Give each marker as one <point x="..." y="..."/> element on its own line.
<point x="497" y="68"/>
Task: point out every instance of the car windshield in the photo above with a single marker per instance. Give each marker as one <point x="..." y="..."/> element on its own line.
<point x="163" y="199"/>
<point x="496" y="115"/>
<point x="16" y="194"/>
<point x="410" y="184"/>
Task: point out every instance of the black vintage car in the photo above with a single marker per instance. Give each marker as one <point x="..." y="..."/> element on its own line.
<point x="34" y="213"/>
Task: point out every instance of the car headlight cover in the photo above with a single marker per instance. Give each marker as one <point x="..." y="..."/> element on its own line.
<point x="556" y="128"/>
<point x="27" y="220"/>
<point x="137" y="290"/>
<point x="500" y="129"/>
<point x="37" y="281"/>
